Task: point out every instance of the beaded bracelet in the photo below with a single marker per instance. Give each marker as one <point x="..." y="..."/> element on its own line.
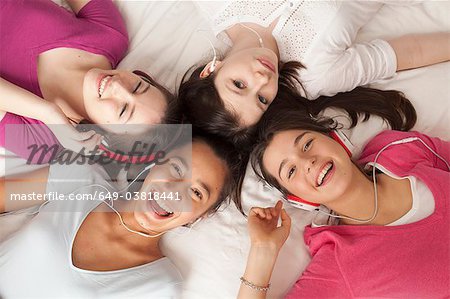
<point x="254" y="286"/>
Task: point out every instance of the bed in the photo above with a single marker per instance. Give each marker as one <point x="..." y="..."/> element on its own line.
<point x="167" y="38"/>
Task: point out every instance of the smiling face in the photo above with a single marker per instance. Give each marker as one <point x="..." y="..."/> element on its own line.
<point x="197" y="182"/>
<point x="122" y="97"/>
<point x="247" y="82"/>
<point x="309" y="165"/>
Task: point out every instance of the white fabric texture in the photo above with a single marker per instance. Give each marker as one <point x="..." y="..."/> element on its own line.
<point x="37" y="260"/>
<point x="423" y="203"/>
<point x="320" y="34"/>
<point x="167" y="38"/>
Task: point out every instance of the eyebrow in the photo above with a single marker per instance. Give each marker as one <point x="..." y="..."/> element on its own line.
<point x="296" y="142"/>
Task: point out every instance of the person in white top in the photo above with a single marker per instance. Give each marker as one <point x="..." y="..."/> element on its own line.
<point x="110" y="249"/>
<point x="229" y="94"/>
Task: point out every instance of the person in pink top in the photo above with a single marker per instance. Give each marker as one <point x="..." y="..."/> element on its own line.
<point x="68" y="58"/>
<point x="386" y="233"/>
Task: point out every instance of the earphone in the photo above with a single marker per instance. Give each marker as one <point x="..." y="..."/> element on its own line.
<point x="303" y="204"/>
<point x="120" y="156"/>
<point x="214" y="60"/>
<point x="308" y="206"/>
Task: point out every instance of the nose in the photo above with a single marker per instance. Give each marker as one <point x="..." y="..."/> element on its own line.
<point x="261" y="78"/>
<point x="309" y="163"/>
<point x="122" y="89"/>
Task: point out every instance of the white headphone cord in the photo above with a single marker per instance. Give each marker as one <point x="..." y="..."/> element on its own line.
<point x="375" y="212"/>
<point x="261" y="43"/>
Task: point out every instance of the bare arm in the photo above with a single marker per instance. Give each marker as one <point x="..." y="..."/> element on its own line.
<point x="14" y="187"/>
<point x="417" y="50"/>
<point x="22" y="102"/>
<point x="77" y="5"/>
<point x="266" y="241"/>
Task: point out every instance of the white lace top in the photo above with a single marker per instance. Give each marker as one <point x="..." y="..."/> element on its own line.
<point x="320" y="34"/>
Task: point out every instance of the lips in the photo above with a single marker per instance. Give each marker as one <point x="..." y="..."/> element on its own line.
<point x="325" y="174"/>
<point x="160" y="208"/>
<point x="102" y="83"/>
<point x="267" y="64"/>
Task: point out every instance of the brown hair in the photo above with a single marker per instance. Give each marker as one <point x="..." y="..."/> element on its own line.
<point x="172" y="113"/>
<point x="293" y="112"/>
<point x="203" y="107"/>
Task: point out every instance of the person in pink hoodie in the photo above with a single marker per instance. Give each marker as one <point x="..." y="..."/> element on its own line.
<point x="390" y="230"/>
<point x="58" y="68"/>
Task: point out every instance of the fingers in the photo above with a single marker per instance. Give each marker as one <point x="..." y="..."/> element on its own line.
<point x="268" y="213"/>
<point x="260" y="212"/>
<point x="92" y="143"/>
<point x="285" y="219"/>
<point x="82" y="136"/>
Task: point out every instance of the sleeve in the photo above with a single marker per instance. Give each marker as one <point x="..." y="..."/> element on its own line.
<point x="28" y="138"/>
<point x="105" y="13"/>
<point x="440" y="147"/>
<point x="336" y="64"/>
<point x="322" y="279"/>
<point x="104" y="31"/>
<point x="411" y="153"/>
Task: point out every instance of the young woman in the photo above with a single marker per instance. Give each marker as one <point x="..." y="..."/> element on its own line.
<point x="392" y="234"/>
<point x="90" y="248"/>
<point x="68" y="59"/>
<point x="228" y="95"/>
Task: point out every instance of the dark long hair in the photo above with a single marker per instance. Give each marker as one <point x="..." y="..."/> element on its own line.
<point x="292" y="112"/>
<point x="172" y="114"/>
<point x="227" y="152"/>
<point x="203" y="107"/>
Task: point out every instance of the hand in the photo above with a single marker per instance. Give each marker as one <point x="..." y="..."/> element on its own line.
<point x="121" y="181"/>
<point x="263" y="226"/>
<point x="69" y="137"/>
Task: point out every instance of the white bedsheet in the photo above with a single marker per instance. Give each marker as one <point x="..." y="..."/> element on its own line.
<point x="169" y="37"/>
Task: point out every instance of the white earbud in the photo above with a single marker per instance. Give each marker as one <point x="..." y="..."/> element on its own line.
<point x="213" y="62"/>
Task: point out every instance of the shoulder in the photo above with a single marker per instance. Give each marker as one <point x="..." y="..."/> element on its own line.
<point x="396" y="149"/>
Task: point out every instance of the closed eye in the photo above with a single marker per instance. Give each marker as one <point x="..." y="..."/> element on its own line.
<point x="123" y="110"/>
<point x="137" y="86"/>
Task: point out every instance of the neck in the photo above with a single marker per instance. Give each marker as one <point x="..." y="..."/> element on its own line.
<point x="126" y="210"/>
<point x="61" y="78"/>
<point x="69" y="96"/>
<point x="147" y="249"/>
<point x="359" y="201"/>
<point x="245" y="38"/>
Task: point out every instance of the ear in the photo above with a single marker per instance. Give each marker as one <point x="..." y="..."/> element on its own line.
<point x="210" y="68"/>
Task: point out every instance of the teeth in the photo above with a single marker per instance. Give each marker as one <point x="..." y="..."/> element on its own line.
<point x="323" y="173"/>
<point x="162" y="205"/>
<point x="101" y="88"/>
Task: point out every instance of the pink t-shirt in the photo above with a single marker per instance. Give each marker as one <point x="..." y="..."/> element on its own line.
<point x="31" y="27"/>
<point x="405" y="261"/>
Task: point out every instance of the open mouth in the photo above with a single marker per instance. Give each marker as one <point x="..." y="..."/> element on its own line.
<point x="160" y="207"/>
<point x="324" y="173"/>
<point x="267" y="64"/>
<point x="102" y="85"/>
